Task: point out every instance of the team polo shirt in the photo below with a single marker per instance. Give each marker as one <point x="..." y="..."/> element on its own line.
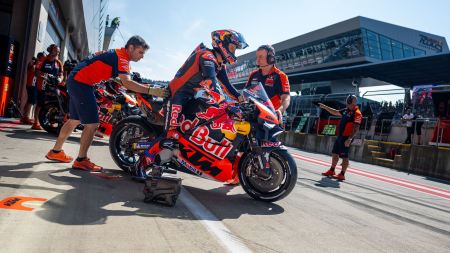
<point x="350" y="119"/>
<point x="102" y="66"/>
<point x="276" y="83"/>
<point x="48" y="66"/>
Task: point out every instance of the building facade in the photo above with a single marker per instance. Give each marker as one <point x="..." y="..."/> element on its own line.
<point x="30" y="26"/>
<point x="352" y="42"/>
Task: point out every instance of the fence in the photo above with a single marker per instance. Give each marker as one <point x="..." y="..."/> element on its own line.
<point x="310" y="124"/>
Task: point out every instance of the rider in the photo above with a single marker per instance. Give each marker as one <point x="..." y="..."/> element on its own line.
<point x="204" y="68"/>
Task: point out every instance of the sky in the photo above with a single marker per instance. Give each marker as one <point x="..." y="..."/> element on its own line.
<point x="173" y="28"/>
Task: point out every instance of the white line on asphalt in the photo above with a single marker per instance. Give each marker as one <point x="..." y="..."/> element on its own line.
<point x="229" y="241"/>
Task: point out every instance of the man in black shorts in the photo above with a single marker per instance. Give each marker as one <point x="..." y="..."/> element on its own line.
<point x="348" y="128"/>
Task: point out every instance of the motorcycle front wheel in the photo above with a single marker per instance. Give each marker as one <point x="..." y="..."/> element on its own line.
<point x="272" y="186"/>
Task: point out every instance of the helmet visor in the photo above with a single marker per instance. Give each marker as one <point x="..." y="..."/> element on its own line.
<point x="239" y="41"/>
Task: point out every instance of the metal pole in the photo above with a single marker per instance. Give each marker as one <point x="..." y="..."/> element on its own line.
<point x="307" y="126"/>
<point x="438" y="132"/>
<point x="317" y="125"/>
<point x="365" y="125"/>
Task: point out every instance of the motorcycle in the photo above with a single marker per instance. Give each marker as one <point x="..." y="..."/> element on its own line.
<point x="54" y="112"/>
<point x="113" y="102"/>
<point x="114" y="105"/>
<point x="224" y="141"/>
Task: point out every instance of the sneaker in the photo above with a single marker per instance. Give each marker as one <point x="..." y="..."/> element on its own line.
<point x="26" y="121"/>
<point x="36" y="127"/>
<point x="86" y="164"/>
<point x="60" y="156"/>
<point x="339" y="177"/>
<point x="329" y="173"/>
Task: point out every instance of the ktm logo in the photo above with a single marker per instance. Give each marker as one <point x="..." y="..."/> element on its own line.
<point x="198" y="160"/>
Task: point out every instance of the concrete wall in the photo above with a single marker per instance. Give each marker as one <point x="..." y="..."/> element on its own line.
<point x="424" y="160"/>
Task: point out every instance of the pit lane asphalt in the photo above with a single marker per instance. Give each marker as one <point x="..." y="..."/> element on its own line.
<point x="88" y="212"/>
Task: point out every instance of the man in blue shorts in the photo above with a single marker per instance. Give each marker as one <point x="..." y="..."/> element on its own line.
<point x="83" y="107"/>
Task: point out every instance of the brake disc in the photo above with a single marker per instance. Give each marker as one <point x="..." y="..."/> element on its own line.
<point x="273" y="182"/>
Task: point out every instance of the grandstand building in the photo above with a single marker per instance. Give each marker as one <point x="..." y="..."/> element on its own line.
<point x="354" y="42"/>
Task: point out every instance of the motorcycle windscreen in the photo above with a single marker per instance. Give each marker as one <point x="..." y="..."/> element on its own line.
<point x="256" y="92"/>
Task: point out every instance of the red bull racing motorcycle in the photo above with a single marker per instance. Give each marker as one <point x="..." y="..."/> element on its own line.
<point x="228" y="142"/>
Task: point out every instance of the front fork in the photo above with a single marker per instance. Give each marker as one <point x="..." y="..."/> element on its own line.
<point x="261" y="156"/>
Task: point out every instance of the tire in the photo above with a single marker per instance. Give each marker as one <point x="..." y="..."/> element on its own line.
<point x="48" y="118"/>
<point x="280" y="161"/>
<point x="120" y="151"/>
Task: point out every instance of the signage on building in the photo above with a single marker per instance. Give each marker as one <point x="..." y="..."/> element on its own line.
<point x="431" y="43"/>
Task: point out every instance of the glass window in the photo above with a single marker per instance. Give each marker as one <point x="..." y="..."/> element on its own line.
<point x="408" y="51"/>
<point x="372" y="36"/>
<point x="375" y="54"/>
<point x="319" y="58"/>
<point x="387" y="54"/>
<point x="396" y="44"/>
<point x="374" y="48"/>
<point x="397" y="52"/>
<point x="385" y="43"/>
<point x="418" y="52"/>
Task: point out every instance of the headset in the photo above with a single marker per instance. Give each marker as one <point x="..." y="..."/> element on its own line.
<point x="270" y="53"/>
<point x="350" y="98"/>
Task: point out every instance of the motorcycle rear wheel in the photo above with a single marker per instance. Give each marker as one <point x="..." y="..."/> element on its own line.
<point x="121" y="139"/>
<point x="49" y="118"/>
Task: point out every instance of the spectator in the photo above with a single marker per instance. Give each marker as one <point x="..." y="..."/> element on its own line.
<point x="418" y="128"/>
<point x="408" y="118"/>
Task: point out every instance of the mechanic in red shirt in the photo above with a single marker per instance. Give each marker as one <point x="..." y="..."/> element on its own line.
<point x="83" y="107"/>
<point x="275" y="81"/>
<point x="49" y="65"/>
<point x="348" y="128"/>
<point x="31" y="88"/>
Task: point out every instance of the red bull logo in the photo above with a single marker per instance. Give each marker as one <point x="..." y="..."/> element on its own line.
<point x="210" y="113"/>
<point x="174" y="114"/>
<point x="187" y="124"/>
<point x="201" y="138"/>
<point x="226" y="126"/>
